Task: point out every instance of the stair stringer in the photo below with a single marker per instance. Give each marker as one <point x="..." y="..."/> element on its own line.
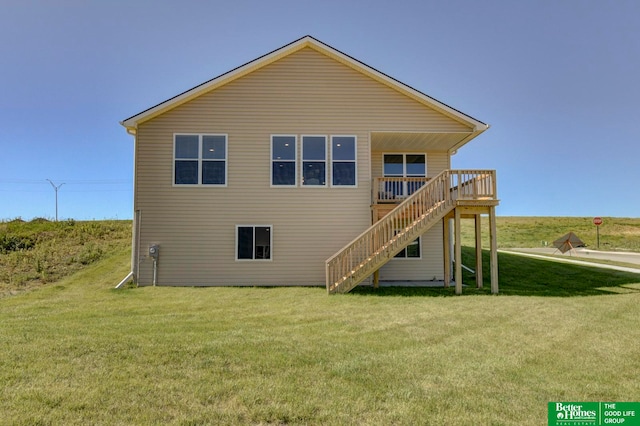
<point x="394" y="246"/>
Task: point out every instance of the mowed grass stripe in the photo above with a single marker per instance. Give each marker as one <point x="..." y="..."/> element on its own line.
<point x="79" y="352"/>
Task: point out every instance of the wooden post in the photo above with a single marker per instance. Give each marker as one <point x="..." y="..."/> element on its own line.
<point x="376" y="278"/>
<point x="478" y="223"/>
<point x="458" y="255"/>
<point x="446" y="248"/>
<point x="494" y="250"/>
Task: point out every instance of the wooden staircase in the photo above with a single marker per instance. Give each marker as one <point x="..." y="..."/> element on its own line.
<point x="413" y="217"/>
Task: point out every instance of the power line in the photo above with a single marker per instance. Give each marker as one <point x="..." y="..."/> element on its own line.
<point x="67" y="191"/>
<point x="68" y="181"/>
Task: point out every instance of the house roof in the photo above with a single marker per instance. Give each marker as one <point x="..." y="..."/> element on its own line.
<point x="477" y="126"/>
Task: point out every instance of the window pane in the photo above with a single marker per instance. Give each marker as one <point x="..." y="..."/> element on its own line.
<point x="213" y="172"/>
<point x="393" y="165"/>
<point x="214" y="147"/>
<point x="263" y="243"/>
<point x="245" y="242"/>
<point x="413" y="249"/>
<point x="343" y="148"/>
<point x="284" y="173"/>
<point x="186" y="172"/>
<point x="344" y="173"/>
<point x="314" y="148"/>
<point x="416" y="165"/>
<point x="284" y="148"/>
<point x="186" y="146"/>
<point x="313" y="173"/>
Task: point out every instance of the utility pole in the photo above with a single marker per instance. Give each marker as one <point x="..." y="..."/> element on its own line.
<point x="55" y="188"/>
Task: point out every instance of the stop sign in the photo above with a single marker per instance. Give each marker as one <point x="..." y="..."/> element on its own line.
<point x="597" y="221"/>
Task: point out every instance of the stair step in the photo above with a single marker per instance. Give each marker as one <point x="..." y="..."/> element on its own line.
<point x="414" y="226"/>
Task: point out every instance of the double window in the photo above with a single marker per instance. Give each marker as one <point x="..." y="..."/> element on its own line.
<point x="404" y="167"/>
<point x="318" y="164"/>
<point x="253" y="242"/>
<point x="200" y="159"/>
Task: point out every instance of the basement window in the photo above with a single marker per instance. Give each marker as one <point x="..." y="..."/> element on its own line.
<point x="253" y="242"/>
<point x="412" y="251"/>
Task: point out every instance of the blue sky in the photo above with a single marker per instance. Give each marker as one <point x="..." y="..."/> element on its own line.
<point x="558" y="81"/>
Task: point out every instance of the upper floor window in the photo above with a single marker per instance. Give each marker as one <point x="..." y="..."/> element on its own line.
<point x="200" y="159"/>
<point x="314" y="160"/>
<point x="404" y="167"/>
<point x="343" y="160"/>
<point x="283" y="160"/>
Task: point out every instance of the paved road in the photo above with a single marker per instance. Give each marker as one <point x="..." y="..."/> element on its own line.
<point x="583" y="254"/>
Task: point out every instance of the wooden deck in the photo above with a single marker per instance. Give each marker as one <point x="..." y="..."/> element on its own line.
<point x="404" y="208"/>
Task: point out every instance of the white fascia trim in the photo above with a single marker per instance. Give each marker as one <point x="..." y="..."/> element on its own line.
<point x="398" y="85"/>
<point x="225" y="78"/>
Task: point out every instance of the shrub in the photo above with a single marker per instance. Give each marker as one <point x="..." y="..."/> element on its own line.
<point x="9" y="243"/>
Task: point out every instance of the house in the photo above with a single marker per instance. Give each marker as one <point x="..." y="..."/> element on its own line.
<point x="304" y="167"/>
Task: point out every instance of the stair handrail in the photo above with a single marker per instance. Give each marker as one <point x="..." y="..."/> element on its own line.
<point x="389" y="228"/>
<point x="390" y="234"/>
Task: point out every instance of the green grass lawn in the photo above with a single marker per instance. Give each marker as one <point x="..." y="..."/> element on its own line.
<point x="79" y="352"/>
<point x="615" y="233"/>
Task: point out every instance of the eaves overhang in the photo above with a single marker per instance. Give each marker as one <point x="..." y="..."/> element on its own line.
<point x="408" y="141"/>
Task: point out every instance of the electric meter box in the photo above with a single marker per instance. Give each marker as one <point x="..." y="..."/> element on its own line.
<point x="154" y="249"/>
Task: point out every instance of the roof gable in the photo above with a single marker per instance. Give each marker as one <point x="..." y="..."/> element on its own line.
<point x="132" y="123"/>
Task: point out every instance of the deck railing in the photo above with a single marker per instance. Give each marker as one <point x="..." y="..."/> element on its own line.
<point x="392" y="189"/>
<point x="429" y="203"/>
<point x="473" y="184"/>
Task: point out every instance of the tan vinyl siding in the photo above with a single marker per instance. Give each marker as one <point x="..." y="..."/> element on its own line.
<point x="305" y="93"/>
<point x="429" y="267"/>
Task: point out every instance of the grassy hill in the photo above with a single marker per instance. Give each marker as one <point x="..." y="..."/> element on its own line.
<point x="40" y="251"/>
<point x="528" y="232"/>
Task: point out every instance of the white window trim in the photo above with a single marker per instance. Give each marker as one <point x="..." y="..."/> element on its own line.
<point x="200" y="184"/>
<point x="295" y="161"/>
<point x="404" y="163"/>
<point x="355" y="161"/>
<point x="326" y="162"/>
<point x="405" y="258"/>
<point x="254" y="226"/>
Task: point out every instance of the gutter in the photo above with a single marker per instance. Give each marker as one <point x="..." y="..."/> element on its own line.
<point x="477" y="132"/>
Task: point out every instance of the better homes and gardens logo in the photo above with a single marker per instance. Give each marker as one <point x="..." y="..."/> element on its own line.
<point x="575" y="413"/>
<point x="594" y="413"/>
